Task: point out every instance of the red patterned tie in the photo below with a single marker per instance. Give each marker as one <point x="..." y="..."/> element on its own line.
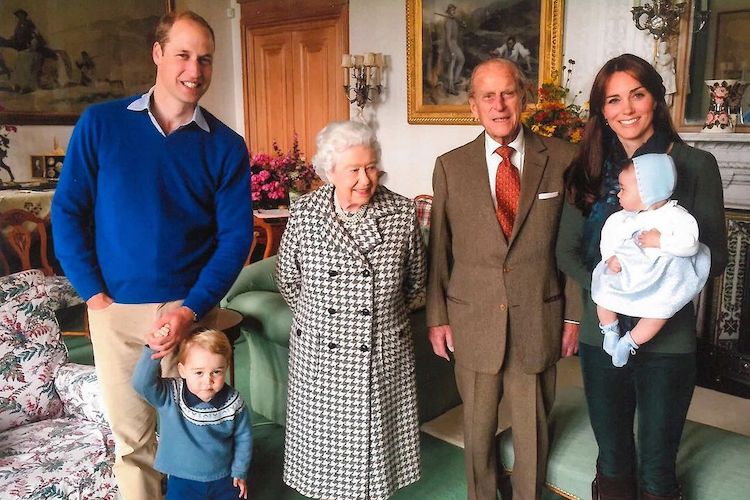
<point x="507" y="190"/>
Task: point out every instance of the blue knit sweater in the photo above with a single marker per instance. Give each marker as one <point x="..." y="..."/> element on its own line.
<point x="148" y="218"/>
<point x="200" y="442"/>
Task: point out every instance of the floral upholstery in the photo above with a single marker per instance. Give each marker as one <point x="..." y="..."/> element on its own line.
<point x="55" y="441"/>
<point x="30" y="351"/>
<point x="61" y="293"/>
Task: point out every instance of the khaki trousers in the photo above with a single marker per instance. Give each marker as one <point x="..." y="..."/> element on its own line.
<point x="530" y="397"/>
<point x="118" y="335"/>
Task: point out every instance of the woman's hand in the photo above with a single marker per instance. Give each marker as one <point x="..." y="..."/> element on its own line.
<point x="242" y="485"/>
<point x="613" y="263"/>
<point x="650" y="239"/>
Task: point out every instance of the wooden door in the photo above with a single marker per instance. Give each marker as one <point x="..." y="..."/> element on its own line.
<point x="293" y="80"/>
<point x="271" y="110"/>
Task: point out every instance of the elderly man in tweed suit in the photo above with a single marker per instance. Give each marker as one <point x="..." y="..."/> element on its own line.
<point x="495" y="296"/>
<point x="351" y="261"/>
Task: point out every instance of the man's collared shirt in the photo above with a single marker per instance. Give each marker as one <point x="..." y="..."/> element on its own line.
<point x="143" y="103"/>
<point x="493" y="159"/>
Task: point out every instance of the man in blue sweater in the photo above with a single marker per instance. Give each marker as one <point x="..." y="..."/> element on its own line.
<point x="152" y="221"/>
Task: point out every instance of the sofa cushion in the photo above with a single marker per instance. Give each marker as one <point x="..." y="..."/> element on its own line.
<point x="31" y="351"/>
<point x="58" y="458"/>
<point x="80" y="393"/>
<point x="266" y="314"/>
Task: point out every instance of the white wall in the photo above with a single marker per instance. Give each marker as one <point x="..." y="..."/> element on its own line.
<point x="594" y="32"/>
<point x="224" y="96"/>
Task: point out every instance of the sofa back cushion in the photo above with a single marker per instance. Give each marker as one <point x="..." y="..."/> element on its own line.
<point x="31" y="351"/>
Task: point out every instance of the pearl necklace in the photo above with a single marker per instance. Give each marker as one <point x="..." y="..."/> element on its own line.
<point x="351" y="218"/>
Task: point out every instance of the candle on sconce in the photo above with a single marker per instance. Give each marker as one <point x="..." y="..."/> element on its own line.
<point x="369" y="59"/>
<point x="358" y="60"/>
<point x="346" y="63"/>
<point x="379" y="63"/>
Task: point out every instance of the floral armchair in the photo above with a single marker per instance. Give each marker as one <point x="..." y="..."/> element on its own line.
<point x="54" y="439"/>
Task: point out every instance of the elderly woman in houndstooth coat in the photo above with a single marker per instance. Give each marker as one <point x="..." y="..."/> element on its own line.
<point x="351" y="261"/>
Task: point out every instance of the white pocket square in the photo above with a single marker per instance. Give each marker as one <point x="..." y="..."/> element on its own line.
<point x="547" y="196"/>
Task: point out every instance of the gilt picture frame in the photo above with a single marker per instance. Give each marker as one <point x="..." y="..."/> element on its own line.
<point x="57" y="58"/>
<point x="446" y="39"/>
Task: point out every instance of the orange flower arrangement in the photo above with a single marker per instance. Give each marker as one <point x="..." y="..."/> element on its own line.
<point x="551" y="116"/>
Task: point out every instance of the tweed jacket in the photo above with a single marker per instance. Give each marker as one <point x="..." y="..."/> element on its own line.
<point x="486" y="286"/>
<point x="352" y="428"/>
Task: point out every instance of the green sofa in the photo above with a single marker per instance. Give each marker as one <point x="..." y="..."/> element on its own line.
<point x="266" y="325"/>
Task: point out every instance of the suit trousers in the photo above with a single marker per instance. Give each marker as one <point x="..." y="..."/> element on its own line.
<point x="530" y="397"/>
<point x="659" y="387"/>
<point x="118" y="336"/>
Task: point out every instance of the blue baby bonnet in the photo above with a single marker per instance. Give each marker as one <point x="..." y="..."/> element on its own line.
<point x="656" y="176"/>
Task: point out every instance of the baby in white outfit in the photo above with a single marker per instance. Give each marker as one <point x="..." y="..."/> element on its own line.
<point x="652" y="262"/>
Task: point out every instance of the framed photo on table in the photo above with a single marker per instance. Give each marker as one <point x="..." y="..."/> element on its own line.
<point x="446" y="39"/>
<point x="37" y="167"/>
<point x="57" y="58"/>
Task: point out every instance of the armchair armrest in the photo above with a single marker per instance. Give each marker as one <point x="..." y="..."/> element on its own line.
<point x="260" y="276"/>
<point x="78" y="388"/>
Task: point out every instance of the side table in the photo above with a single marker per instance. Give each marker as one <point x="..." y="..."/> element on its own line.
<point x="272" y="224"/>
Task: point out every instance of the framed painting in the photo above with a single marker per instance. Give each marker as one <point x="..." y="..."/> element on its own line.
<point x="446" y="39"/>
<point x="56" y="57"/>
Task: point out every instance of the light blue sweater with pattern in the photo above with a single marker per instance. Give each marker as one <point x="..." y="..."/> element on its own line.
<point x="200" y="442"/>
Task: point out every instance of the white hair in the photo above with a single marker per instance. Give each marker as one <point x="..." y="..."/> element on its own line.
<point x="336" y="138"/>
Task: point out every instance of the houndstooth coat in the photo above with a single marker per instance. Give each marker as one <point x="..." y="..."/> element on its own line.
<point x="352" y="430"/>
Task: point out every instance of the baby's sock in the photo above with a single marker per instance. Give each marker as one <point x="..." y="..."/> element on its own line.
<point x="611" y="334"/>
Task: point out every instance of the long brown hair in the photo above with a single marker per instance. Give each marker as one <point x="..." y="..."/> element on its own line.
<point x="584" y="176"/>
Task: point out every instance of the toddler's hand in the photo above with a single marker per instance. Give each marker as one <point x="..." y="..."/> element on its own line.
<point x="614" y="264"/>
<point x="155" y="338"/>
<point x="242" y="485"/>
<point x="650" y="239"/>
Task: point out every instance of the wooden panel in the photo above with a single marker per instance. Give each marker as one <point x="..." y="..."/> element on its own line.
<point x="257" y="13"/>
<point x="271" y="90"/>
<point x="292" y="76"/>
<point x="316" y="88"/>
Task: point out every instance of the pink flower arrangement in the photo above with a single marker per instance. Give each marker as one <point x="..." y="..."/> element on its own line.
<point x="274" y="175"/>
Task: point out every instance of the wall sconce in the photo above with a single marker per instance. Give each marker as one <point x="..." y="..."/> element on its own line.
<point x="662" y="18"/>
<point x="362" y="75"/>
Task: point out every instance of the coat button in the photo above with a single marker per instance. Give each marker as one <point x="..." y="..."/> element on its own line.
<point x="299" y="332"/>
<point x="333" y="345"/>
<point x="331" y="311"/>
<point x="365" y="312"/>
<point x="333" y="273"/>
<point x="364" y="348"/>
<point x="502" y="307"/>
<point x="366" y="273"/>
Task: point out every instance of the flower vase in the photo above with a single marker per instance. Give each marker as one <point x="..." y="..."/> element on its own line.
<point x="717" y="118"/>
<point x="272" y="204"/>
